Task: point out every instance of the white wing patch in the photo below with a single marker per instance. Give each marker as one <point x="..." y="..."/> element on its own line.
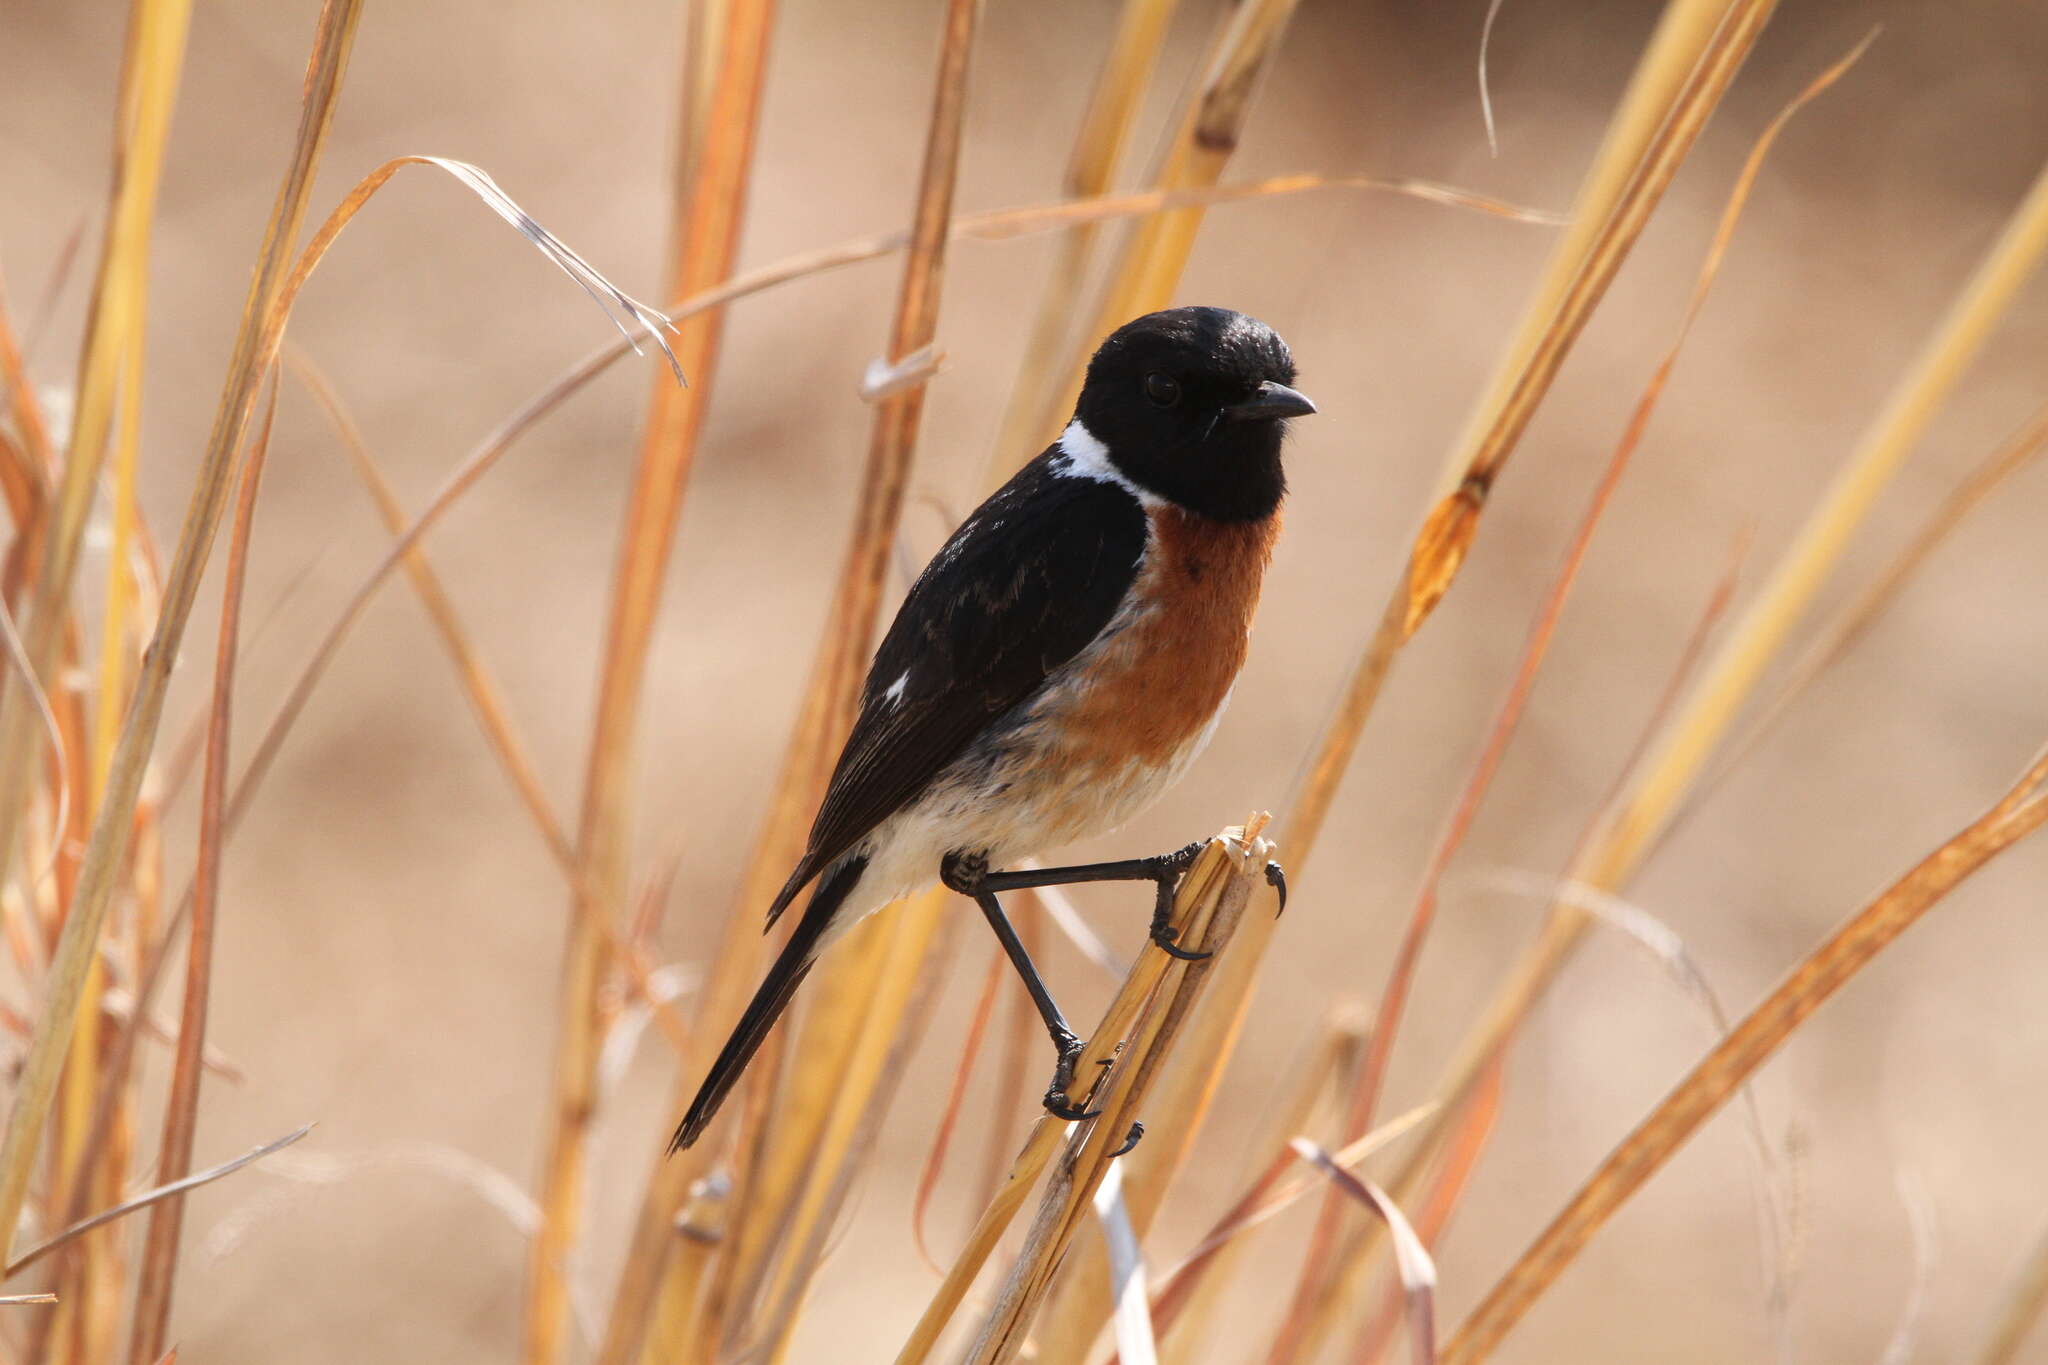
<point x="894" y="693"/>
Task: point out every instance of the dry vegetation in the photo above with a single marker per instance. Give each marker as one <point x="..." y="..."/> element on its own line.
<point x="722" y="1251"/>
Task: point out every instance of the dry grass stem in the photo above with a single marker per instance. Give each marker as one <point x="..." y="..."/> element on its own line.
<point x="486" y="699"/>
<point x="1418" y="1271"/>
<point x="1149" y="267"/>
<point x="1321" y="1270"/>
<point x="146" y="1199"/>
<point x="1671" y="765"/>
<point x="720" y="139"/>
<point x="1210" y="905"/>
<point x="1192" y="1288"/>
<point x="2020" y="1310"/>
<point x="707" y="1310"/>
<point x="799" y="1167"/>
<point x="942" y="1140"/>
<point x="181" y="1108"/>
<point x="2021" y="811"/>
<point x="1854" y="620"/>
<point x="1191" y="1077"/>
<point x="1698" y="48"/>
<point x="111" y="828"/>
<point x="1121" y="1055"/>
<point x="1098" y="148"/>
<point x="152" y="63"/>
<point x="744" y="1246"/>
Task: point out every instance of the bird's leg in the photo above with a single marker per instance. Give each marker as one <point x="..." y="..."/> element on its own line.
<point x="1163" y="870"/>
<point x="968" y="874"/>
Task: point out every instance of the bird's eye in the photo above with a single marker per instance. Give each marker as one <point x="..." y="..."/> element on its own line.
<point x="1162" y="389"/>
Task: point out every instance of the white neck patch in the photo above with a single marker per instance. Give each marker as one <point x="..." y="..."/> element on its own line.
<point x="1088" y="458"/>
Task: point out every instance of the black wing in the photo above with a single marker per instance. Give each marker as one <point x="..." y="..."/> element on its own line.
<point x="1023" y="586"/>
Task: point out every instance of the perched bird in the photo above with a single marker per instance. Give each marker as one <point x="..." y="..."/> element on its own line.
<point x="1059" y="662"/>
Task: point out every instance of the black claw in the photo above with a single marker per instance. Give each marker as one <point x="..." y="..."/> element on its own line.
<point x="1163" y="937"/>
<point x="1130" y="1140"/>
<point x="1277" y="879"/>
<point x="1059" y="1107"/>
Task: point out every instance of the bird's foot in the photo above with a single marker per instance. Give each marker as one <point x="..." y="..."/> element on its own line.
<point x="1057" y="1101"/>
<point x="965" y="873"/>
<point x="1277" y="879"/>
<point x="1130" y="1140"/>
<point x="1166" y="871"/>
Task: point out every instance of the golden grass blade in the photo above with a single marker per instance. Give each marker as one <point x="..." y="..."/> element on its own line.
<point x="1536" y="648"/>
<point x="705" y="242"/>
<point x="1148" y="269"/>
<point x="785" y="1199"/>
<point x="1461" y="1158"/>
<point x="1109" y="1055"/>
<point x="1269" y="1197"/>
<point x="478" y="685"/>
<point x="160" y="1193"/>
<point x="1189" y="1292"/>
<point x="116" y="646"/>
<point x="891" y="1023"/>
<point x="1690" y="737"/>
<point x="1849" y="625"/>
<point x="1211" y="904"/>
<point x="1324" y="1268"/>
<point x="1317" y="1272"/>
<point x="942" y="1140"/>
<point x="181" y="1107"/>
<point x="101" y="862"/>
<point x="995" y="1219"/>
<point x="1189" y="1081"/>
<point x="1469" y="1133"/>
<point x="1683" y="72"/>
<point x="28" y="421"/>
<point x="1878" y="456"/>
<point x="281" y="297"/>
<point x="1098" y="147"/>
<point x="2020" y="812"/>
<point x="2021" y="1309"/>
<point x="54" y="284"/>
<point x="153" y="60"/>
<point x="53" y="733"/>
<point x="787" y="1139"/>
<point x="1418" y="1271"/>
<point x="107" y="401"/>
<point x="267" y="748"/>
<point x="1694" y="55"/>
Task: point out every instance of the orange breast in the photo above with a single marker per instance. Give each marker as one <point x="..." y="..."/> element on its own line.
<point x="1164" y="677"/>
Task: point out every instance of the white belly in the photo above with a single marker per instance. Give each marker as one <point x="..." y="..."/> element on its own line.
<point x="1010" y="800"/>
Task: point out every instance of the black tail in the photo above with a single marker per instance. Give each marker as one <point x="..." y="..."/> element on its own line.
<point x="770" y="1000"/>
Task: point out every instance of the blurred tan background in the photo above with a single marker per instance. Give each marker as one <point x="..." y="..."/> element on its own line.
<point x="391" y="927"/>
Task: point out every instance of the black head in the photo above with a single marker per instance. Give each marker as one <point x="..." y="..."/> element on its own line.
<point x="1191" y="404"/>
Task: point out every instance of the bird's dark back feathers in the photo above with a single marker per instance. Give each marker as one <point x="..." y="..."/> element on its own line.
<point x="1023" y="586"/>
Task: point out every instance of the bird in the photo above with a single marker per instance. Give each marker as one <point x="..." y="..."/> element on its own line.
<point x="1059" y="663"/>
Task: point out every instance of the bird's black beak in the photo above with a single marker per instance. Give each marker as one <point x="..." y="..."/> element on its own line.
<point x="1271" y="401"/>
